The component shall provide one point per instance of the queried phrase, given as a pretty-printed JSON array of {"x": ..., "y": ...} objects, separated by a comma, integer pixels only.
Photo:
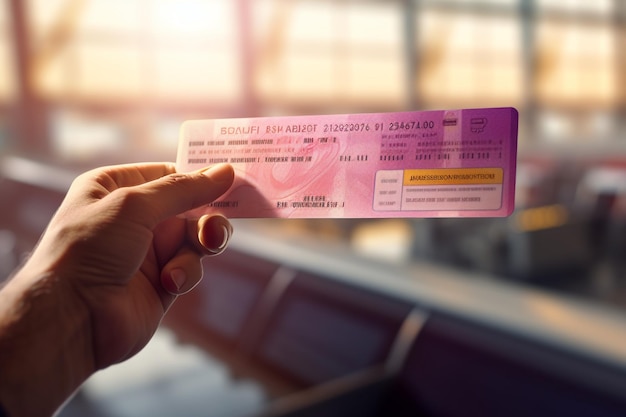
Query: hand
[{"x": 114, "y": 258}]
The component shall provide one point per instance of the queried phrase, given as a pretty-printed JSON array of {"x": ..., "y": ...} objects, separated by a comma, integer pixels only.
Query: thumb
[{"x": 176, "y": 193}]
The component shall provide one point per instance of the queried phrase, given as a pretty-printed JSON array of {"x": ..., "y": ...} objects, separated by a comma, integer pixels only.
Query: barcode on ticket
[{"x": 446, "y": 163}]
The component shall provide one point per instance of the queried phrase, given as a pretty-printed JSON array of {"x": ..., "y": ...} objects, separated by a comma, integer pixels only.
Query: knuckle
[
  {"x": 131, "y": 201},
  {"x": 176, "y": 178}
]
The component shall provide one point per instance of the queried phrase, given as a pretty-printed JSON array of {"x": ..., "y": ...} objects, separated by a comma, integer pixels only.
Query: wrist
[{"x": 45, "y": 344}]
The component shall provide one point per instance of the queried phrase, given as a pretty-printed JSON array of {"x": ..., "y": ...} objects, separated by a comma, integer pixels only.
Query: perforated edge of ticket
[{"x": 442, "y": 163}]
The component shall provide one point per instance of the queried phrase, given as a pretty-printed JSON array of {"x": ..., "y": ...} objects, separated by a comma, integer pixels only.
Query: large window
[
  {"x": 113, "y": 80},
  {"x": 147, "y": 65}
]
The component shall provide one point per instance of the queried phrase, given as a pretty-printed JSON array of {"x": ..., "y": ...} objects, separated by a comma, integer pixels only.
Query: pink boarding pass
[{"x": 452, "y": 163}]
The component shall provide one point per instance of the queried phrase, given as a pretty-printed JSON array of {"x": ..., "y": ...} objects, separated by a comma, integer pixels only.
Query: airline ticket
[{"x": 445, "y": 163}]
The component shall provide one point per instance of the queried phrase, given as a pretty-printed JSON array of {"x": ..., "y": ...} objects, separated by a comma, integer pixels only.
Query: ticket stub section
[
  {"x": 458, "y": 189},
  {"x": 453, "y": 163}
]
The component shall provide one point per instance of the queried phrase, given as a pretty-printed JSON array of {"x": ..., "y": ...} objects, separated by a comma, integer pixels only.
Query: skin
[{"x": 112, "y": 261}]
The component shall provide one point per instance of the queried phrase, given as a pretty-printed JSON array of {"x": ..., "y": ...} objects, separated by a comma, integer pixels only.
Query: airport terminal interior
[{"x": 517, "y": 316}]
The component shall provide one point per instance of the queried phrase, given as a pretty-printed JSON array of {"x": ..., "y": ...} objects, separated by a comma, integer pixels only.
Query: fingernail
[
  {"x": 225, "y": 238},
  {"x": 227, "y": 233},
  {"x": 220, "y": 173},
  {"x": 178, "y": 278}
]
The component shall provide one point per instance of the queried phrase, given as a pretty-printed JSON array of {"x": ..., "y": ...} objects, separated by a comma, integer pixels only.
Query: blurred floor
[{"x": 166, "y": 379}]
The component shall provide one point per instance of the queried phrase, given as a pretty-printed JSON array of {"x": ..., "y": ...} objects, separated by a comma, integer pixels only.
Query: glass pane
[
  {"x": 468, "y": 59},
  {"x": 348, "y": 53},
  {"x": 194, "y": 74},
  {"x": 111, "y": 18},
  {"x": 193, "y": 18},
  {"x": 150, "y": 50},
  {"x": 576, "y": 64},
  {"x": 109, "y": 70}
]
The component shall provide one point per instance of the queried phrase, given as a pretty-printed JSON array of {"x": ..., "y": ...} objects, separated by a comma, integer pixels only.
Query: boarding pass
[{"x": 445, "y": 163}]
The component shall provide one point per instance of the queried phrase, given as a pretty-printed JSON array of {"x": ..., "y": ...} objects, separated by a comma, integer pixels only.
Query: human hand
[{"x": 117, "y": 254}]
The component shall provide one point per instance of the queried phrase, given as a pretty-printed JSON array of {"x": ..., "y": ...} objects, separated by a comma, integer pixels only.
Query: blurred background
[{"x": 90, "y": 82}]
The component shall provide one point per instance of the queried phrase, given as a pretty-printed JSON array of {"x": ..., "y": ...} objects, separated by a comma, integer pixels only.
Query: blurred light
[
  {"x": 388, "y": 240},
  {"x": 36, "y": 174},
  {"x": 600, "y": 7},
  {"x": 539, "y": 218},
  {"x": 555, "y": 126},
  {"x": 193, "y": 17},
  {"x": 573, "y": 316},
  {"x": 110, "y": 17},
  {"x": 79, "y": 137},
  {"x": 606, "y": 180}
]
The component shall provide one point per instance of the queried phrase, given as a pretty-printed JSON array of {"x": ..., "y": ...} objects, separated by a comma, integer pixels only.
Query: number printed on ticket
[{"x": 451, "y": 163}]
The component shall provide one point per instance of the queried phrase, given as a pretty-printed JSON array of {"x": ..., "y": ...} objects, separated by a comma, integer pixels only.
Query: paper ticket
[{"x": 452, "y": 163}]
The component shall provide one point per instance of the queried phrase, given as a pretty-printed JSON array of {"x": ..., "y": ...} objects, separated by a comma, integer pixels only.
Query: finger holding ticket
[{"x": 454, "y": 163}]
